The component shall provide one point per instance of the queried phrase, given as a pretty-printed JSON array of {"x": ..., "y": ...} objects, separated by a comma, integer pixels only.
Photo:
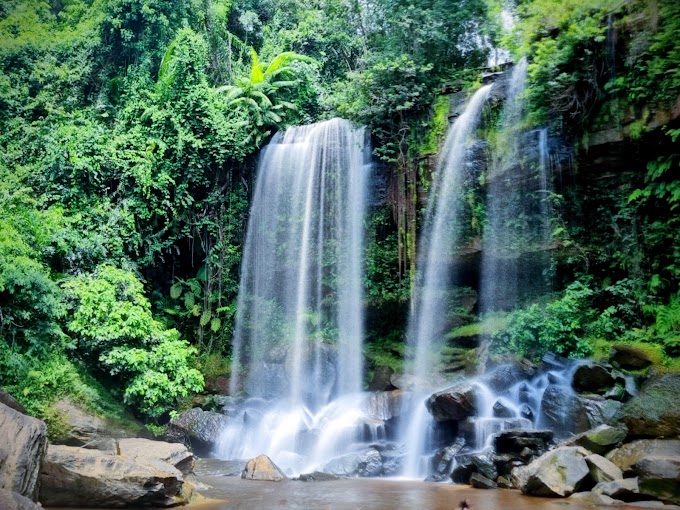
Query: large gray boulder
[
  {"x": 13, "y": 501},
  {"x": 262, "y": 468},
  {"x": 626, "y": 489},
  {"x": 602, "y": 470},
  {"x": 198, "y": 428},
  {"x": 78, "y": 477},
  {"x": 22, "y": 450},
  {"x": 366, "y": 463},
  {"x": 558, "y": 473},
  {"x": 146, "y": 451},
  {"x": 659, "y": 477},
  {"x": 599, "y": 440},
  {"x": 85, "y": 429},
  {"x": 631, "y": 453},
  {"x": 654, "y": 412},
  {"x": 453, "y": 404}
]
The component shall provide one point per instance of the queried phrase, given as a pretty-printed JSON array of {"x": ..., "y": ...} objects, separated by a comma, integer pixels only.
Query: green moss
[
  {"x": 436, "y": 129},
  {"x": 486, "y": 327}
]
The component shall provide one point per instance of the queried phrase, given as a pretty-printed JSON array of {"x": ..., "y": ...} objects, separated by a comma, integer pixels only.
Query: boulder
[
  {"x": 21, "y": 452},
  {"x": 462, "y": 473},
  {"x": 85, "y": 429},
  {"x": 602, "y": 470},
  {"x": 562, "y": 411},
  {"x": 146, "y": 451},
  {"x": 11, "y": 402},
  {"x": 592, "y": 378},
  {"x": 13, "y": 501},
  {"x": 381, "y": 379},
  {"x": 629, "y": 357},
  {"x": 659, "y": 477},
  {"x": 485, "y": 465},
  {"x": 442, "y": 459},
  {"x": 198, "y": 428},
  {"x": 366, "y": 463},
  {"x": 558, "y": 473},
  {"x": 385, "y": 404},
  {"x": 80, "y": 477},
  {"x": 262, "y": 468},
  {"x": 502, "y": 377},
  {"x": 599, "y": 440},
  {"x": 626, "y": 489},
  {"x": 597, "y": 411},
  {"x": 452, "y": 404},
  {"x": 479, "y": 481},
  {"x": 318, "y": 476},
  {"x": 515, "y": 441},
  {"x": 654, "y": 412},
  {"x": 592, "y": 499},
  {"x": 630, "y": 454},
  {"x": 501, "y": 410}
]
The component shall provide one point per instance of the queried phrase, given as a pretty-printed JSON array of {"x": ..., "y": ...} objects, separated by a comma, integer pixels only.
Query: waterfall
[
  {"x": 441, "y": 233},
  {"x": 518, "y": 210},
  {"x": 299, "y": 326}
]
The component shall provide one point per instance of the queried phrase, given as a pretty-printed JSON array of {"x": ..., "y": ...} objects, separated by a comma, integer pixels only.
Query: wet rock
[
  {"x": 631, "y": 453},
  {"x": 562, "y": 411},
  {"x": 659, "y": 477},
  {"x": 502, "y": 377},
  {"x": 381, "y": 379},
  {"x": 629, "y": 357},
  {"x": 442, "y": 459},
  {"x": 592, "y": 498},
  {"x": 558, "y": 473},
  {"x": 392, "y": 461},
  {"x": 198, "y": 428},
  {"x": 592, "y": 378},
  {"x": 654, "y": 412},
  {"x": 596, "y": 411},
  {"x": 485, "y": 465},
  {"x": 386, "y": 404},
  {"x": 602, "y": 470},
  {"x": 514, "y": 441},
  {"x": 11, "y": 402},
  {"x": 318, "y": 476},
  {"x": 626, "y": 489},
  {"x": 479, "y": 481},
  {"x": 262, "y": 468},
  {"x": 85, "y": 429},
  {"x": 13, "y": 501},
  {"x": 462, "y": 473},
  {"x": 79, "y": 477},
  {"x": 452, "y": 404},
  {"x": 365, "y": 464},
  {"x": 504, "y": 483},
  {"x": 526, "y": 412},
  {"x": 599, "y": 440},
  {"x": 501, "y": 410},
  {"x": 21, "y": 452},
  {"x": 145, "y": 451}
]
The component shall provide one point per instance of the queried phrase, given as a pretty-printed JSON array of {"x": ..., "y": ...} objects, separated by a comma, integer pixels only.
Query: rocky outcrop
[
  {"x": 654, "y": 412},
  {"x": 198, "y": 428},
  {"x": 11, "y": 402},
  {"x": 630, "y": 454},
  {"x": 629, "y": 357},
  {"x": 85, "y": 429},
  {"x": 558, "y": 473},
  {"x": 365, "y": 464},
  {"x": 262, "y": 468},
  {"x": 21, "y": 452},
  {"x": 452, "y": 404},
  {"x": 74, "y": 476},
  {"x": 599, "y": 440},
  {"x": 659, "y": 477},
  {"x": 13, "y": 501},
  {"x": 146, "y": 451}
]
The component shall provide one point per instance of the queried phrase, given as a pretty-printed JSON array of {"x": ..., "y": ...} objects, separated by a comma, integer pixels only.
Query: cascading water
[
  {"x": 438, "y": 242},
  {"x": 299, "y": 328}
]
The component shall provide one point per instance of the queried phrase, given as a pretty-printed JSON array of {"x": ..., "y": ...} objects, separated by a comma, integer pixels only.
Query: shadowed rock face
[
  {"x": 21, "y": 452},
  {"x": 557, "y": 473}
]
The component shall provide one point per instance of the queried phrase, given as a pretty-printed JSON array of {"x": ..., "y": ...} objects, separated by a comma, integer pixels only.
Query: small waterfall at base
[
  {"x": 441, "y": 233},
  {"x": 299, "y": 327}
]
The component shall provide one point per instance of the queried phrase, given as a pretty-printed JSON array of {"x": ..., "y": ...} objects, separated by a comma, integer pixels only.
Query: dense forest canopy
[{"x": 129, "y": 131}]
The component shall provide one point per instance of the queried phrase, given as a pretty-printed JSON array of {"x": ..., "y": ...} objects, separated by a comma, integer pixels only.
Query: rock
[
  {"x": 80, "y": 477},
  {"x": 318, "y": 476},
  {"x": 599, "y": 440},
  {"x": 485, "y": 465},
  {"x": 146, "y": 451},
  {"x": 558, "y": 473},
  {"x": 262, "y": 468},
  {"x": 11, "y": 402},
  {"x": 659, "y": 477},
  {"x": 442, "y": 459},
  {"x": 462, "y": 473},
  {"x": 597, "y": 411},
  {"x": 84, "y": 428},
  {"x": 479, "y": 481},
  {"x": 13, "y": 501},
  {"x": 392, "y": 461},
  {"x": 592, "y": 378},
  {"x": 21, "y": 452},
  {"x": 385, "y": 404},
  {"x": 504, "y": 483},
  {"x": 381, "y": 379},
  {"x": 629, "y": 357},
  {"x": 602, "y": 470},
  {"x": 631, "y": 453},
  {"x": 502, "y": 377},
  {"x": 200, "y": 429},
  {"x": 592, "y": 498},
  {"x": 452, "y": 404},
  {"x": 654, "y": 412},
  {"x": 562, "y": 411},
  {"x": 526, "y": 412},
  {"x": 367, "y": 463},
  {"x": 501, "y": 410},
  {"x": 514, "y": 441},
  {"x": 626, "y": 489},
  {"x": 217, "y": 385}
]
